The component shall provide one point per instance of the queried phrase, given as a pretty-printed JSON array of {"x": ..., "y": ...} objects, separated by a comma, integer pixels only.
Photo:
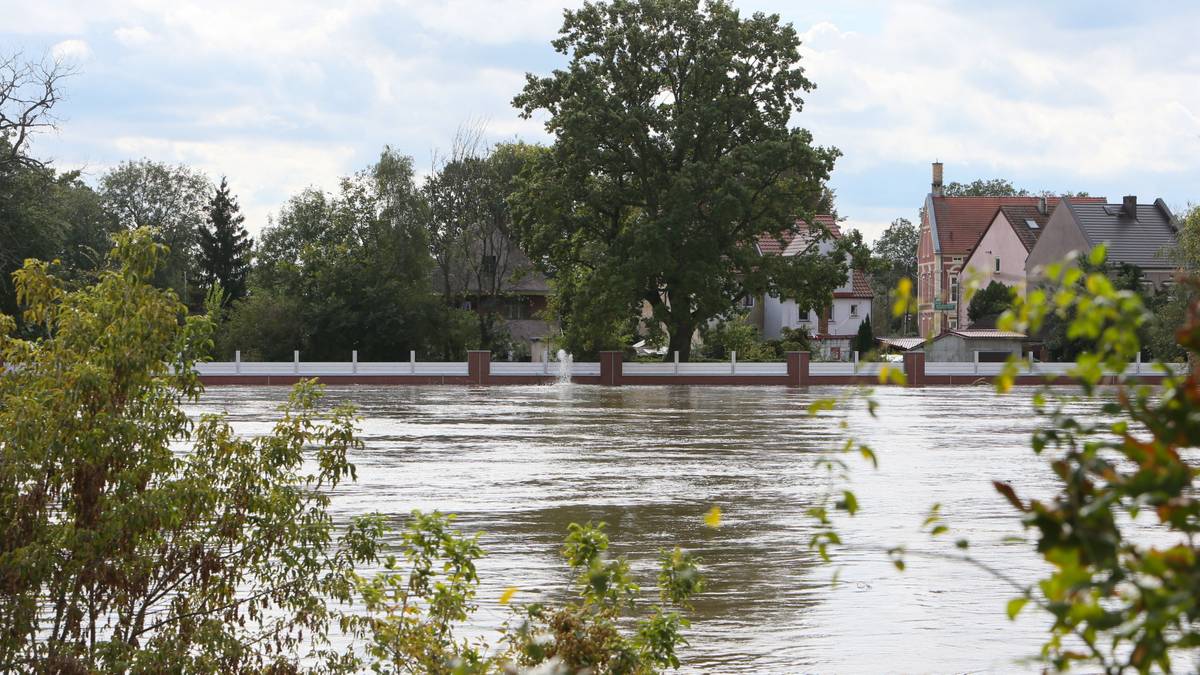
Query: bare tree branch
[{"x": 29, "y": 90}]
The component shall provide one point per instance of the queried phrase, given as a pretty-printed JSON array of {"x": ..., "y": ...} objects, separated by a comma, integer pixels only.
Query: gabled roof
[
  {"x": 1136, "y": 242},
  {"x": 800, "y": 234},
  {"x": 859, "y": 287},
  {"x": 959, "y": 222},
  {"x": 1020, "y": 217}
]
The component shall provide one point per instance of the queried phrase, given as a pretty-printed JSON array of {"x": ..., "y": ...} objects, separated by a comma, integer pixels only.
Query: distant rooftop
[{"x": 1136, "y": 240}]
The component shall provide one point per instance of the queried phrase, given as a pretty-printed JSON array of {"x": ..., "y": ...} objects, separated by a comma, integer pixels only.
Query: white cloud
[
  {"x": 71, "y": 50},
  {"x": 294, "y": 92},
  {"x": 262, "y": 172},
  {"x": 494, "y": 22},
  {"x": 133, "y": 36},
  {"x": 990, "y": 90}
]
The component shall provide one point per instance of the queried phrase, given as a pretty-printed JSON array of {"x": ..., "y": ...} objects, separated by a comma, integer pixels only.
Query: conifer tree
[
  {"x": 865, "y": 340},
  {"x": 225, "y": 246}
]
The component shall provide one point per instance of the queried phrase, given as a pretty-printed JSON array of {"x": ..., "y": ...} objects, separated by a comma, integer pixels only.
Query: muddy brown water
[{"x": 521, "y": 463}]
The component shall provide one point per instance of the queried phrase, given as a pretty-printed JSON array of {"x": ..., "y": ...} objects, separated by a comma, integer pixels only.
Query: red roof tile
[
  {"x": 860, "y": 288},
  {"x": 1018, "y": 217},
  {"x": 961, "y": 221},
  {"x": 771, "y": 245}
]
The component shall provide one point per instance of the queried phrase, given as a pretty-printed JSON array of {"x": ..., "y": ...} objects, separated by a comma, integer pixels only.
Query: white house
[{"x": 850, "y": 305}]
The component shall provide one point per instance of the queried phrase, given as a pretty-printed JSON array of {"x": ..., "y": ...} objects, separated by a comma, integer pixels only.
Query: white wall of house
[
  {"x": 779, "y": 314},
  {"x": 847, "y": 315},
  {"x": 999, "y": 256}
]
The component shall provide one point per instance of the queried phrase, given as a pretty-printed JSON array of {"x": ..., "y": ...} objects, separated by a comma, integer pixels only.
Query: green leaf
[{"x": 1015, "y": 606}]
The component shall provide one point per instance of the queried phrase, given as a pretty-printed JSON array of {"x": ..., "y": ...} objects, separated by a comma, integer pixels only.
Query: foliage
[
  {"x": 997, "y": 187},
  {"x": 793, "y": 340},
  {"x": 672, "y": 153},
  {"x": 120, "y": 554},
  {"x": 49, "y": 216},
  {"x": 734, "y": 335},
  {"x": 1156, "y": 333},
  {"x": 137, "y": 540},
  {"x": 1118, "y": 530},
  {"x": 1122, "y": 587},
  {"x": 172, "y": 199},
  {"x": 586, "y": 635},
  {"x": 992, "y": 187},
  {"x": 864, "y": 340},
  {"x": 268, "y": 325},
  {"x": 355, "y": 265},
  {"x": 988, "y": 304},
  {"x": 893, "y": 257},
  {"x": 224, "y": 254},
  {"x": 1187, "y": 252}
]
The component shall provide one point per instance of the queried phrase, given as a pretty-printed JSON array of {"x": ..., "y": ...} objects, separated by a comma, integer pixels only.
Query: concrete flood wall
[{"x": 796, "y": 370}]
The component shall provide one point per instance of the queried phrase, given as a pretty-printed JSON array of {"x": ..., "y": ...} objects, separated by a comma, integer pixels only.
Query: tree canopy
[
  {"x": 171, "y": 199},
  {"x": 672, "y": 153},
  {"x": 989, "y": 303},
  {"x": 893, "y": 257},
  {"x": 349, "y": 271},
  {"x": 997, "y": 187}
]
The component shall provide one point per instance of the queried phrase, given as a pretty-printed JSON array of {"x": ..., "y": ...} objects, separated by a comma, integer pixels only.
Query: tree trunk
[{"x": 680, "y": 341}]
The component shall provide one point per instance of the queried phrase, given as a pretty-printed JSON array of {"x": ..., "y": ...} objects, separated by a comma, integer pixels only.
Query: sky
[{"x": 280, "y": 95}]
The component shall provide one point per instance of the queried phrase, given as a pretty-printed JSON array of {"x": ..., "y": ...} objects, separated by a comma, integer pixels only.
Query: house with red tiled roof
[
  {"x": 834, "y": 329},
  {"x": 951, "y": 229},
  {"x": 1000, "y": 253}
]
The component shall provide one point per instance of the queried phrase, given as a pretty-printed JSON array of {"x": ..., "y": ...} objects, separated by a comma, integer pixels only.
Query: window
[
  {"x": 953, "y": 323},
  {"x": 748, "y": 302},
  {"x": 516, "y": 309},
  {"x": 997, "y": 263},
  {"x": 853, "y": 310},
  {"x": 953, "y": 288},
  {"x": 1031, "y": 223},
  {"x": 489, "y": 264}
]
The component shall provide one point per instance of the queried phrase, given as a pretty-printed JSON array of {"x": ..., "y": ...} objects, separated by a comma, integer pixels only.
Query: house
[
  {"x": 950, "y": 229},
  {"x": 963, "y": 346},
  {"x": 493, "y": 276},
  {"x": 832, "y": 330},
  {"x": 1134, "y": 234},
  {"x": 1000, "y": 253}
]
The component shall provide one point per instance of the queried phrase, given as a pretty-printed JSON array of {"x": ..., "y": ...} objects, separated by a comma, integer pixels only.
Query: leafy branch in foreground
[{"x": 1120, "y": 530}]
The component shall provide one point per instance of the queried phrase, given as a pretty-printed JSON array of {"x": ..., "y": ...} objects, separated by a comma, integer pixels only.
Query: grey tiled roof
[{"x": 1138, "y": 242}]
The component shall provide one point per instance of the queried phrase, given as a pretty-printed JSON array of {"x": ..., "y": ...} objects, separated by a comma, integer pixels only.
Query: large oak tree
[{"x": 673, "y": 150}]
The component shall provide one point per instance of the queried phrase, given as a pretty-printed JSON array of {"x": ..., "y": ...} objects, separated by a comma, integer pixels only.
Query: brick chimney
[
  {"x": 1041, "y": 205},
  {"x": 937, "y": 180},
  {"x": 1129, "y": 206}
]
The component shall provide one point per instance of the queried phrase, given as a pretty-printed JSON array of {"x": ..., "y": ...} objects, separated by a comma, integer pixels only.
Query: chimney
[
  {"x": 937, "y": 180},
  {"x": 1129, "y": 206},
  {"x": 1041, "y": 205}
]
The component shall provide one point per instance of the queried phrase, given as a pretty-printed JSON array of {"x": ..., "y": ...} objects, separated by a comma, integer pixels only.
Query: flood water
[{"x": 521, "y": 463}]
